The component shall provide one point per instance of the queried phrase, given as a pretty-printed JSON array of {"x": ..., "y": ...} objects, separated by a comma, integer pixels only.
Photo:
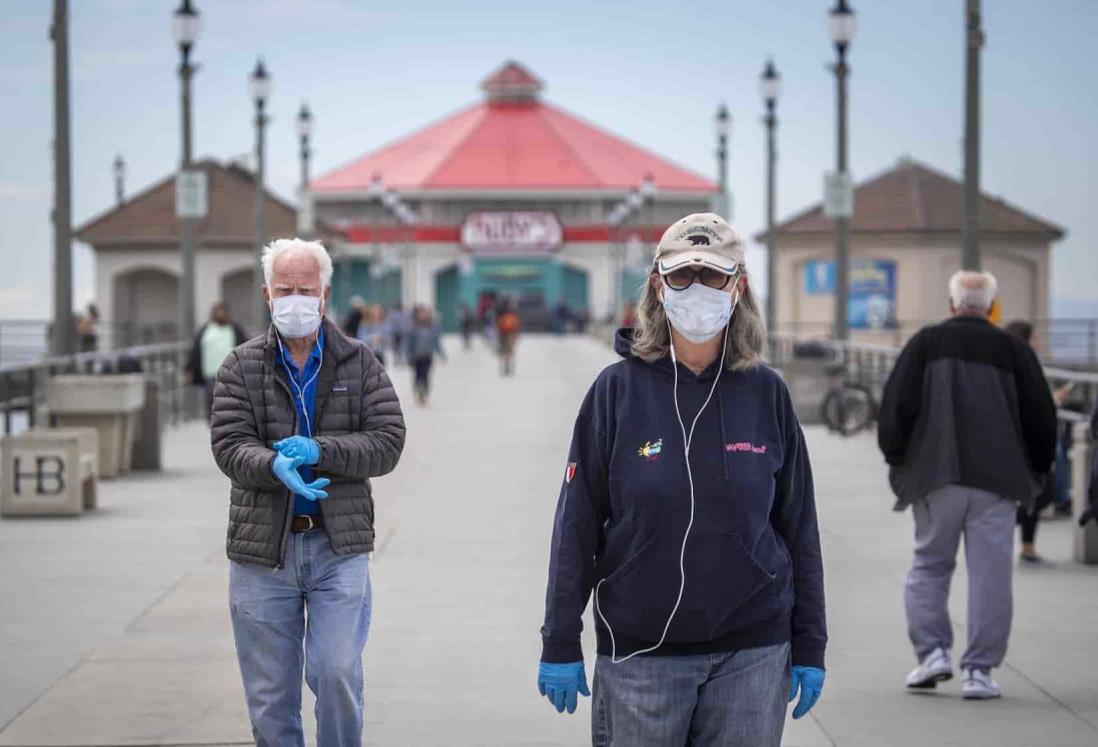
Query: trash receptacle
[
  {"x": 146, "y": 446},
  {"x": 107, "y": 403}
]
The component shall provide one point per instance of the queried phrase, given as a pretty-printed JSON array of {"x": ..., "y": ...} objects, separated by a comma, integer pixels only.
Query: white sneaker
[
  {"x": 934, "y": 668},
  {"x": 979, "y": 686}
]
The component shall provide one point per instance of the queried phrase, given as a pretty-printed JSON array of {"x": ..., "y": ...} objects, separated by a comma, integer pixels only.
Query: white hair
[
  {"x": 314, "y": 248},
  {"x": 973, "y": 291}
]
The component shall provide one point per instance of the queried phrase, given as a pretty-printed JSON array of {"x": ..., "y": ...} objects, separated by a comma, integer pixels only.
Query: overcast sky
[{"x": 652, "y": 72}]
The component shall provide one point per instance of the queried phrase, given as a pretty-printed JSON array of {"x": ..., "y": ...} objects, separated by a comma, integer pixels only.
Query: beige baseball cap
[{"x": 700, "y": 239}]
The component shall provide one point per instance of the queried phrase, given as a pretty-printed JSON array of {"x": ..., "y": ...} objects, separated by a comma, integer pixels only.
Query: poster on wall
[{"x": 872, "y": 303}]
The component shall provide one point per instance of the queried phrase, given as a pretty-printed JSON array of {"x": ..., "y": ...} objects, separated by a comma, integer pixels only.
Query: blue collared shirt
[{"x": 303, "y": 383}]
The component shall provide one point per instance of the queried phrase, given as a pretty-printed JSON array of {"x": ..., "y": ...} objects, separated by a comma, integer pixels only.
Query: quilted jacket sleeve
[
  {"x": 374, "y": 450},
  {"x": 233, "y": 432}
]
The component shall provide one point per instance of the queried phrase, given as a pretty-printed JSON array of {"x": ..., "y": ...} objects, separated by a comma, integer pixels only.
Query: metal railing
[
  {"x": 28, "y": 340},
  {"x": 23, "y": 385}
]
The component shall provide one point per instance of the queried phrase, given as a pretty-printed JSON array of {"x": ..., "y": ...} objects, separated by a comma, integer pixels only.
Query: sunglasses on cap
[{"x": 684, "y": 277}]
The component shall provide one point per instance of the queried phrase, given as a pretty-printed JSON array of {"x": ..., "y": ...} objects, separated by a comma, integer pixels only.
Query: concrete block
[
  {"x": 107, "y": 403},
  {"x": 48, "y": 472}
]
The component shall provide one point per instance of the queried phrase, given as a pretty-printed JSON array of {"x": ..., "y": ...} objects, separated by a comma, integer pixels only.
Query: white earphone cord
[
  {"x": 301, "y": 390},
  {"x": 687, "y": 440}
]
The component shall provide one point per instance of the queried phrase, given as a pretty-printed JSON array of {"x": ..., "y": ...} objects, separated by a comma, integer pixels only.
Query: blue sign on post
[{"x": 872, "y": 303}]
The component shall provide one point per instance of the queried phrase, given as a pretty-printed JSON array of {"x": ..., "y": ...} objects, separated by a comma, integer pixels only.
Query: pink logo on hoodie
[{"x": 746, "y": 447}]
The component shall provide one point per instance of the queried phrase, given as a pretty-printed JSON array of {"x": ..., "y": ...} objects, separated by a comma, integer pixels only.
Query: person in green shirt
[{"x": 212, "y": 344}]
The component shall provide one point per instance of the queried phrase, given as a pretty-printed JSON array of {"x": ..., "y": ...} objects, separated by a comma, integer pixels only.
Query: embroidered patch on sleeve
[{"x": 570, "y": 472}]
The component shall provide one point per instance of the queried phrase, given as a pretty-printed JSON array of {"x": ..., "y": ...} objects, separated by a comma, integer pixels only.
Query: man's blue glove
[
  {"x": 560, "y": 683},
  {"x": 285, "y": 469},
  {"x": 810, "y": 680},
  {"x": 305, "y": 449}
]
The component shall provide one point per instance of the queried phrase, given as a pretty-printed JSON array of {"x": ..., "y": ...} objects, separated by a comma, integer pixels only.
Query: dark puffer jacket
[{"x": 359, "y": 426}]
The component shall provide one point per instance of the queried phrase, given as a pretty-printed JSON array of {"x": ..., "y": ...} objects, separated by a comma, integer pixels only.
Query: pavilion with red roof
[{"x": 511, "y": 196}]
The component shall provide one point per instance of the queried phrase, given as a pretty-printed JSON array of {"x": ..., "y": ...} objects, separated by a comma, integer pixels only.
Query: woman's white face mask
[
  {"x": 296, "y": 316},
  {"x": 699, "y": 312}
]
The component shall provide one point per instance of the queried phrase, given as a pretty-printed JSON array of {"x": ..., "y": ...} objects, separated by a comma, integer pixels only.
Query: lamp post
[
  {"x": 186, "y": 26},
  {"x": 842, "y": 26},
  {"x": 119, "y": 179},
  {"x": 770, "y": 87},
  {"x": 63, "y": 329},
  {"x": 970, "y": 252},
  {"x": 724, "y": 127},
  {"x": 259, "y": 85},
  {"x": 304, "y": 131}
]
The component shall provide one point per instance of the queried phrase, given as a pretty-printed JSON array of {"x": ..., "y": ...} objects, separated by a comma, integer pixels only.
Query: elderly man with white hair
[
  {"x": 303, "y": 417},
  {"x": 968, "y": 427}
]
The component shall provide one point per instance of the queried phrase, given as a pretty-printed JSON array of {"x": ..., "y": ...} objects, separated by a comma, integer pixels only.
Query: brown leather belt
[{"x": 305, "y": 523}]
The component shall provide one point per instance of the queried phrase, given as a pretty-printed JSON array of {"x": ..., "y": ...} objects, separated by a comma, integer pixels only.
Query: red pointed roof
[{"x": 512, "y": 141}]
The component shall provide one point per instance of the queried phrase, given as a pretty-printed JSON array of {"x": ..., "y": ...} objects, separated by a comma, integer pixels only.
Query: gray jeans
[
  {"x": 987, "y": 522},
  {"x": 733, "y": 699}
]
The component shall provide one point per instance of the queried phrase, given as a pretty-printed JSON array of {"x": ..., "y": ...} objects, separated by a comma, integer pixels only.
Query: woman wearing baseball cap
[{"x": 687, "y": 512}]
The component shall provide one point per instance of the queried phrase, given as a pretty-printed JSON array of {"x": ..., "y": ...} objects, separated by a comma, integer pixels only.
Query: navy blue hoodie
[{"x": 754, "y": 574}]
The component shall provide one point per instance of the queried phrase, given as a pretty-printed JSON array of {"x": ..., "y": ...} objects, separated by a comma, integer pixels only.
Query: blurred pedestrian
[
  {"x": 375, "y": 330},
  {"x": 561, "y": 317},
  {"x": 1028, "y": 517},
  {"x": 400, "y": 322},
  {"x": 687, "y": 510},
  {"x": 968, "y": 427},
  {"x": 468, "y": 324},
  {"x": 303, "y": 417},
  {"x": 508, "y": 325},
  {"x": 212, "y": 344},
  {"x": 87, "y": 329},
  {"x": 424, "y": 342},
  {"x": 353, "y": 318}
]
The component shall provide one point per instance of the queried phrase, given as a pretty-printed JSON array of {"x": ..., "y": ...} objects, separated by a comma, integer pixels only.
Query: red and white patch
[{"x": 570, "y": 472}]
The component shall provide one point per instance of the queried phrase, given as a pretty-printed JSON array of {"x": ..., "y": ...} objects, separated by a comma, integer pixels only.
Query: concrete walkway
[{"x": 114, "y": 627}]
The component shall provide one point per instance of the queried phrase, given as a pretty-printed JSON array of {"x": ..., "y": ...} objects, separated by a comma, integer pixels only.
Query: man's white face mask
[
  {"x": 296, "y": 316},
  {"x": 699, "y": 312}
]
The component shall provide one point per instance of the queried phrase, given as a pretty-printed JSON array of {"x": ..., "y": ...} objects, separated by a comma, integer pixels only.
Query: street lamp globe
[
  {"x": 723, "y": 121},
  {"x": 842, "y": 24},
  {"x": 304, "y": 121},
  {"x": 259, "y": 83},
  {"x": 770, "y": 83},
  {"x": 119, "y": 167},
  {"x": 635, "y": 199},
  {"x": 377, "y": 185},
  {"x": 186, "y": 24},
  {"x": 648, "y": 186}
]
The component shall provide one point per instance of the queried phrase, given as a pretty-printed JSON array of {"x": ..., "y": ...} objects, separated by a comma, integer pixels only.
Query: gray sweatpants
[{"x": 987, "y": 522}]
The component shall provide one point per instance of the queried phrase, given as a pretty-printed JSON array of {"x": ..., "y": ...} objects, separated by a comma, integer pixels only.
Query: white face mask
[
  {"x": 296, "y": 316},
  {"x": 698, "y": 313}
]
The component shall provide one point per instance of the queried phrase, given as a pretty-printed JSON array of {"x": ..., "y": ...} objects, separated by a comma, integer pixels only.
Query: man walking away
[
  {"x": 424, "y": 343},
  {"x": 508, "y": 325},
  {"x": 212, "y": 345},
  {"x": 968, "y": 427}
]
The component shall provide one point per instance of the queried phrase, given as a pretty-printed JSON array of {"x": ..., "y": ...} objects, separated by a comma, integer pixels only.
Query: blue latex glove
[
  {"x": 810, "y": 681},
  {"x": 305, "y": 449},
  {"x": 561, "y": 682},
  {"x": 285, "y": 469}
]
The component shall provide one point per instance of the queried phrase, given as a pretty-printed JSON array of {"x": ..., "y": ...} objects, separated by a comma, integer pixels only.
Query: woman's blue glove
[
  {"x": 810, "y": 680},
  {"x": 285, "y": 469},
  {"x": 305, "y": 449},
  {"x": 560, "y": 683}
]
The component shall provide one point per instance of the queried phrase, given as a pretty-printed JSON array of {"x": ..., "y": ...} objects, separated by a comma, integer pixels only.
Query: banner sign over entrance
[{"x": 511, "y": 232}]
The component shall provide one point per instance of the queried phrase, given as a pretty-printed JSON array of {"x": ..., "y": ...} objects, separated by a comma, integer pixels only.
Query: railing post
[{"x": 1086, "y": 538}]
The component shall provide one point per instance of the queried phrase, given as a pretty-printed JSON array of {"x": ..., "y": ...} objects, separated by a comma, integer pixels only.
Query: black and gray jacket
[
  {"x": 967, "y": 404},
  {"x": 359, "y": 426}
]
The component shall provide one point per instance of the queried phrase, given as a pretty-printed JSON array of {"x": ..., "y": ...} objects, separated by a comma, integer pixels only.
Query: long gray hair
[{"x": 746, "y": 339}]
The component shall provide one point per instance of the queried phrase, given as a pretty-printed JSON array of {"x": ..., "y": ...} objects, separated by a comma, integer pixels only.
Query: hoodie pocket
[{"x": 724, "y": 585}]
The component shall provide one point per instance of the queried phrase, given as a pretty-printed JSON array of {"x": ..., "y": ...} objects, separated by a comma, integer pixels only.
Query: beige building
[{"x": 905, "y": 242}]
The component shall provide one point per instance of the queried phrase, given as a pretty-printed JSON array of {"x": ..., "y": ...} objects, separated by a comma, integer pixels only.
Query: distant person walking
[
  {"x": 303, "y": 417},
  {"x": 375, "y": 330},
  {"x": 508, "y": 326},
  {"x": 424, "y": 342},
  {"x": 354, "y": 316},
  {"x": 687, "y": 511},
  {"x": 968, "y": 428},
  {"x": 1028, "y": 517},
  {"x": 468, "y": 324},
  {"x": 87, "y": 329},
  {"x": 400, "y": 324},
  {"x": 212, "y": 345}
]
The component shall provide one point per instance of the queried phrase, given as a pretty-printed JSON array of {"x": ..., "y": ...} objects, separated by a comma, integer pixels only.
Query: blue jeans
[
  {"x": 731, "y": 699},
  {"x": 268, "y": 609}
]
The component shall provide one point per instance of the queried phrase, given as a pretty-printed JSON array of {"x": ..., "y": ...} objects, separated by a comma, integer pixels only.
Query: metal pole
[
  {"x": 970, "y": 242},
  {"x": 305, "y": 153},
  {"x": 771, "y": 239},
  {"x": 186, "y": 225},
  {"x": 260, "y": 214},
  {"x": 63, "y": 331},
  {"x": 842, "y": 258}
]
